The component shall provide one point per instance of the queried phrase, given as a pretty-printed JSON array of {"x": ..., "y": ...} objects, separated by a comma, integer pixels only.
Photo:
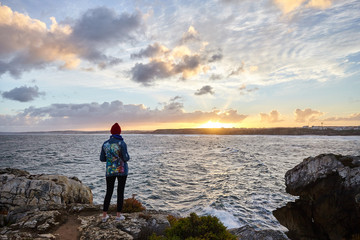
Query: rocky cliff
[{"x": 328, "y": 207}]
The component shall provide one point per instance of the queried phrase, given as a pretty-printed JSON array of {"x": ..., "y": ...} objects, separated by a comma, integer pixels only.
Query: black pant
[{"x": 110, "y": 182}]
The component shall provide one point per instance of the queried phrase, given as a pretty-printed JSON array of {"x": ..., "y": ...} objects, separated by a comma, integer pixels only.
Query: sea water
[{"x": 239, "y": 179}]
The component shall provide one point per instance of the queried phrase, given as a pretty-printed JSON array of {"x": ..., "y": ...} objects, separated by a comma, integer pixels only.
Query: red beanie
[{"x": 115, "y": 129}]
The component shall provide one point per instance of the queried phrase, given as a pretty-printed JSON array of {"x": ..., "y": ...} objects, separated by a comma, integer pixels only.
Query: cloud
[
  {"x": 27, "y": 43},
  {"x": 237, "y": 71},
  {"x": 232, "y": 1},
  {"x": 93, "y": 115},
  {"x": 215, "y": 77},
  {"x": 175, "y": 98},
  {"x": 189, "y": 66},
  {"x": 352, "y": 117},
  {"x": 272, "y": 117},
  {"x": 205, "y": 90},
  {"x": 146, "y": 74},
  {"x": 102, "y": 26},
  {"x": 180, "y": 60},
  {"x": 186, "y": 63},
  {"x": 23, "y": 94},
  {"x": 321, "y": 4},
  {"x": 290, "y": 5},
  {"x": 151, "y": 51},
  {"x": 215, "y": 57},
  {"x": 307, "y": 115},
  {"x": 244, "y": 90},
  {"x": 278, "y": 49},
  {"x": 190, "y": 35},
  {"x": 184, "y": 60}
]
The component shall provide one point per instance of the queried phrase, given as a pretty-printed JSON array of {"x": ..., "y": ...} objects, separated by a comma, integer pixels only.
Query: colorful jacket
[{"x": 114, "y": 153}]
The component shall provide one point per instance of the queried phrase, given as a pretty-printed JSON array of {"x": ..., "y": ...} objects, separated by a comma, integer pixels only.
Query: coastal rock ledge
[
  {"x": 58, "y": 207},
  {"x": 328, "y": 207},
  {"x": 19, "y": 188}
]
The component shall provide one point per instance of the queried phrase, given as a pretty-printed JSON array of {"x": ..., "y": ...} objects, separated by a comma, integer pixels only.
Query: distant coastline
[
  {"x": 261, "y": 131},
  {"x": 325, "y": 131}
]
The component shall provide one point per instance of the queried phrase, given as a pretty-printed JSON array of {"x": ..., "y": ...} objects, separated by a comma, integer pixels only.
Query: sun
[{"x": 211, "y": 124}]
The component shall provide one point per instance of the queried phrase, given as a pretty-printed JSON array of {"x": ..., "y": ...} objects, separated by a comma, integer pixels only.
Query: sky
[{"x": 83, "y": 65}]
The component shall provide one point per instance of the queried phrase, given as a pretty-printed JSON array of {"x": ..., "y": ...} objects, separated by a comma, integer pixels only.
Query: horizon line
[{"x": 178, "y": 129}]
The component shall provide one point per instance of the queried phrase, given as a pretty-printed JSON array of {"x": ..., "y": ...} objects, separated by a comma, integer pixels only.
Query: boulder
[
  {"x": 19, "y": 188},
  {"x": 328, "y": 207}
]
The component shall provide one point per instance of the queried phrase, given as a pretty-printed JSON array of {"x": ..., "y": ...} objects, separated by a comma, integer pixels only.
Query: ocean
[{"x": 239, "y": 179}]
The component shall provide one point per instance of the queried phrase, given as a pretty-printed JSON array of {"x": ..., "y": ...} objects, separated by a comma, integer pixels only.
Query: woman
[{"x": 114, "y": 153}]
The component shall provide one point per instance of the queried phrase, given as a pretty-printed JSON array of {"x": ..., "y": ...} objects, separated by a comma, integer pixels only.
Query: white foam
[{"x": 229, "y": 220}]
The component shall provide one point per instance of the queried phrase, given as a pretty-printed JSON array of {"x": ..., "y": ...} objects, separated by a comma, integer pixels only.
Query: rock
[
  {"x": 33, "y": 220},
  {"x": 328, "y": 207},
  {"x": 19, "y": 188},
  {"x": 37, "y": 222},
  {"x": 47, "y": 236},
  {"x": 36, "y": 206},
  {"x": 41, "y": 220},
  {"x": 56, "y": 207},
  {"x": 135, "y": 226},
  {"x": 248, "y": 233},
  {"x": 323, "y": 166},
  {"x": 93, "y": 228},
  {"x": 32, "y": 205}
]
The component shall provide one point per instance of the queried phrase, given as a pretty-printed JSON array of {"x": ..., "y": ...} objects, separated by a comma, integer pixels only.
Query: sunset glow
[
  {"x": 211, "y": 124},
  {"x": 208, "y": 64}
]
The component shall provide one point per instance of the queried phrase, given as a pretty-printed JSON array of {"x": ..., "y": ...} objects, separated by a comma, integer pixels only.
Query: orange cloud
[
  {"x": 190, "y": 35},
  {"x": 91, "y": 115},
  {"x": 288, "y": 6},
  {"x": 32, "y": 40},
  {"x": 322, "y": 4},
  {"x": 272, "y": 117},
  {"x": 27, "y": 43},
  {"x": 307, "y": 115},
  {"x": 352, "y": 117},
  {"x": 18, "y": 20},
  {"x": 164, "y": 62}
]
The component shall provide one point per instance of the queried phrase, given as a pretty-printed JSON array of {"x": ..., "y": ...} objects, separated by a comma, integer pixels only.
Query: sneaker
[
  {"x": 104, "y": 219},
  {"x": 120, "y": 218}
]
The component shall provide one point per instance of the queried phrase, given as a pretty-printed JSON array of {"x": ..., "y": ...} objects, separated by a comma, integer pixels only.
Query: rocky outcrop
[
  {"x": 32, "y": 205},
  {"x": 135, "y": 226},
  {"x": 56, "y": 207},
  {"x": 249, "y": 233},
  {"x": 83, "y": 221},
  {"x": 19, "y": 188},
  {"x": 328, "y": 207}
]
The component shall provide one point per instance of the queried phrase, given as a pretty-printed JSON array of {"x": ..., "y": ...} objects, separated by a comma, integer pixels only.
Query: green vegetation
[{"x": 196, "y": 228}]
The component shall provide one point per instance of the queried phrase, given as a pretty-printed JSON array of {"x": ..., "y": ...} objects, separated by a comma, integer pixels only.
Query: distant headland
[
  {"x": 264, "y": 131},
  {"x": 315, "y": 130}
]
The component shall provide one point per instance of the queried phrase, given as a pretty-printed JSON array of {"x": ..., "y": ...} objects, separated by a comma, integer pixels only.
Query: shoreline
[{"x": 54, "y": 207}]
